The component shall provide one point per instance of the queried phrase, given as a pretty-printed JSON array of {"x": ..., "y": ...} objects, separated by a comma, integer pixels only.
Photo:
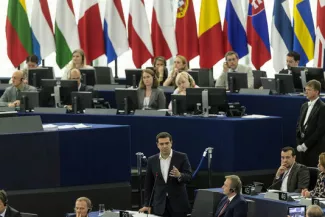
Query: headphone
[
  {"x": 3, "y": 197},
  {"x": 89, "y": 204},
  {"x": 232, "y": 190}
]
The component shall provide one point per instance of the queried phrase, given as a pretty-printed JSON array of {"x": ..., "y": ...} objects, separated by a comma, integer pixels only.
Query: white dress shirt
[
  {"x": 284, "y": 186},
  {"x": 230, "y": 198},
  {"x": 4, "y": 213},
  {"x": 164, "y": 165},
  {"x": 310, "y": 108}
]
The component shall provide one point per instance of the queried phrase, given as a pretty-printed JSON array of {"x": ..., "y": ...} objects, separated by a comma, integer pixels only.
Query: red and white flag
[
  {"x": 320, "y": 35},
  {"x": 90, "y": 30},
  {"x": 139, "y": 33},
  {"x": 162, "y": 29}
]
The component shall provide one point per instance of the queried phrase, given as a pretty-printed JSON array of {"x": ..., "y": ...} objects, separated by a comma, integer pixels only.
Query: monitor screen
[
  {"x": 297, "y": 211},
  {"x": 36, "y": 75},
  {"x": 104, "y": 75},
  {"x": 237, "y": 80},
  {"x": 88, "y": 76},
  {"x": 296, "y": 77},
  {"x": 29, "y": 100},
  {"x": 257, "y": 74},
  {"x": 178, "y": 103},
  {"x": 284, "y": 84},
  {"x": 67, "y": 87},
  {"x": 81, "y": 101},
  {"x": 217, "y": 100},
  {"x": 126, "y": 100},
  {"x": 203, "y": 77},
  {"x": 133, "y": 77},
  {"x": 316, "y": 74}
]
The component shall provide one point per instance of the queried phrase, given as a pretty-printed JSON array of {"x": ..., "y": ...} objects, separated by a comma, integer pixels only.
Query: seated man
[
  {"x": 291, "y": 176},
  {"x": 5, "y": 209},
  {"x": 83, "y": 207},
  {"x": 293, "y": 59},
  {"x": 234, "y": 204},
  {"x": 76, "y": 75},
  {"x": 11, "y": 96},
  {"x": 231, "y": 65}
]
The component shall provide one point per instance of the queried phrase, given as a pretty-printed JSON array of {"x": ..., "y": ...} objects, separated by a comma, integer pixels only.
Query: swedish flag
[{"x": 304, "y": 31}]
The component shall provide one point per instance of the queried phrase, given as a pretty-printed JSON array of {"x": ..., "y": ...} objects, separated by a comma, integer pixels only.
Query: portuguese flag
[{"x": 18, "y": 32}]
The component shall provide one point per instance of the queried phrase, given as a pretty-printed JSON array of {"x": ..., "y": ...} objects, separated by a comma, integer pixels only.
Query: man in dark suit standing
[
  {"x": 165, "y": 185},
  {"x": 291, "y": 176},
  {"x": 310, "y": 129},
  {"x": 233, "y": 204},
  {"x": 5, "y": 209}
]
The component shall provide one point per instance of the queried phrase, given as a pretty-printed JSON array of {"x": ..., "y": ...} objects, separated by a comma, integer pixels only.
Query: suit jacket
[
  {"x": 11, "y": 212},
  {"x": 298, "y": 179},
  {"x": 10, "y": 94},
  {"x": 84, "y": 87},
  {"x": 222, "y": 81},
  {"x": 236, "y": 208},
  {"x": 175, "y": 188},
  {"x": 284, "y": 71},
  {"x": 312, "y": 134},
  {"x": 157, "y": 98}
]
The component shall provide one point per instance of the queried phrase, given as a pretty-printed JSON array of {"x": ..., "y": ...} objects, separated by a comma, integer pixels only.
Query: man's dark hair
[
  {"x": 163, "y": 135},
  {"x": 32, "y": 58},
  {"x": 294, "y": 54},
  {"x": 288, "y": 148}
]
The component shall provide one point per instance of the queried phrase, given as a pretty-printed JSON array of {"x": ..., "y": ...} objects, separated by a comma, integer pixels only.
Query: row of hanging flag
[{"x": 211, "y": 41}]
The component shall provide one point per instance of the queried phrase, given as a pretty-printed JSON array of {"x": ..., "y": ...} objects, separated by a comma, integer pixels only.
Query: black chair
[
  {"x": 25, "y": 214},
  {"x": 251, "y": 208},
  {"x": 313, "y": 174}
]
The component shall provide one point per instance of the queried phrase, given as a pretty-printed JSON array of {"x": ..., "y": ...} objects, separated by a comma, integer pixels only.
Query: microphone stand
[
  {"x": 209, "y": 149},
  {"x": 139, "y": 173}
]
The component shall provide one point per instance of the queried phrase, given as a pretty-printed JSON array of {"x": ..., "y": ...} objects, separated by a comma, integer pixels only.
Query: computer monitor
[
  {"x": 36, "y": 75},
  {"x": 133, "y": 77},
  {"x": 104, "y": 75},
  {"x": 203, "y": 77},
  {"x": 217, "y": 100},
  {"x": 29, "y": 100},
  {"x": 237, "y": 80},
  {"x": 315, "y": 73},
  {"x": 81, "y": 101},
  {"x": 88, "y": 76},
  {"x": 296, "y": 78},
  {"x": 178, "y": 104},
  {"x": 257, "y": 74},
  {"x": 126, "y": 100},
  {"x": 67, "y": 87},
  {"x": 284, "y": 84},
  {"x": 269, "y": 83}
]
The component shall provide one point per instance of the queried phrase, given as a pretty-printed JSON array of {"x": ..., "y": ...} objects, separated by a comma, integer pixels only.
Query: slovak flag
[
  {"x": 234, "y": 28},
  {"x": 257, "y": 33}
]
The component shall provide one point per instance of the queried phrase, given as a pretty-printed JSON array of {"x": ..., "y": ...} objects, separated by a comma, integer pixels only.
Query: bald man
[
  {"x": 11, "y": 96},
  {"x": 76, "y": 75}
]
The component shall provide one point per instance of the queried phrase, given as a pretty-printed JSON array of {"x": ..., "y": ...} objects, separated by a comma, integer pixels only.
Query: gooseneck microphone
[
  {"x": 280, "y": 179},
  {"x": 153, "y": 189}
]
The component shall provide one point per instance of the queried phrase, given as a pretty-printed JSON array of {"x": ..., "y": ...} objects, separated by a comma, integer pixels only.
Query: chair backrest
[
  {"x": 313, "y": 174},
  {"x": 25, "y": 214},
  {"x": 251, "y": 208}
]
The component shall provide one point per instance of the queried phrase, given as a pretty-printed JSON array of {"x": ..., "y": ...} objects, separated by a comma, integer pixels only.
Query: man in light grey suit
[
  {"x": 231, "y": 65},
  {"x": 11, "y": 96}
]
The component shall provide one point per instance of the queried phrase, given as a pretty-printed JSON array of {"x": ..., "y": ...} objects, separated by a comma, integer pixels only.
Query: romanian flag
[
  {"x": 18, "y": 32},
  {"x": 210, "y": 34},
  {"x": 186, "y": 31}
]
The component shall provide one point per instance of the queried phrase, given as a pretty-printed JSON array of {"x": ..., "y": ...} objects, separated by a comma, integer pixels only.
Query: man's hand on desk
[
  {"x": 14, "y": 104},
  {"x": 145, "y": 209},
  {"x": 305, "y": 193}
]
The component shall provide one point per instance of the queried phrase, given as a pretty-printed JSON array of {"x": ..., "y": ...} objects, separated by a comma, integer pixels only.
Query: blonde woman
[
  {"x": 78, "y": 61},
  {"x": 150, "y": 96},
  {"x": 180, "y": 64}
]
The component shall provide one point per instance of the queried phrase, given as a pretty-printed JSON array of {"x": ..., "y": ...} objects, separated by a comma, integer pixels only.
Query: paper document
[
  {"x": 66, "y": 127},
  {"x": 255, "y": 116},
  {"x": 46, "y": 126},
  {"x": 80, "y": 126}
]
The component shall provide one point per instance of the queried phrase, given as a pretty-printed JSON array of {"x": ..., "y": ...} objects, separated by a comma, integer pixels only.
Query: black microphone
[
  {"x": 153, "y": 189},
  {"x": 280, "y": 179}
]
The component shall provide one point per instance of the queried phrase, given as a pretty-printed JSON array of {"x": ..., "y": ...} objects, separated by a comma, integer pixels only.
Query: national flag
[
  {"x": 320, "y": 35},
  {"x": 66, "y": 32},
  {"x": 162, "y": 30},
  {"x": 234, "y": 28},
  {"x": 186, "y": 31},
  {"x": 281, "y": 33},
  {"x": 257, "y": 33},
  {"x": 139, "y": 33},
  {"x": 90, "y": 30},
  {"x": 211, "y": 43},
  {"x": 42, "y": 30},
  {"x": 115, "y": 35},
  {"x": 18, "y": 32},
  {"x": 304, "y": 32}
]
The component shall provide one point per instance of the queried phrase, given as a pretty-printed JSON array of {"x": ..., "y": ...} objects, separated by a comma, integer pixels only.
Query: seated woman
[
  {"x": 32, "y": 63},
  {"x": 78, "y": 62},
  {"x": 183, "y": 81},
  {"x": 180, "y": 64},
  {"x": 149, "y": 95},
  {"x": 159, "y": 66},
  {"x": 319, "y": 190}
]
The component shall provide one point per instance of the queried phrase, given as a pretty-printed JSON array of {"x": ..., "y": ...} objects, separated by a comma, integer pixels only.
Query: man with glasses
[
  {"x": 310, "y": 129},
  {"x": 231, "y": 65}
]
